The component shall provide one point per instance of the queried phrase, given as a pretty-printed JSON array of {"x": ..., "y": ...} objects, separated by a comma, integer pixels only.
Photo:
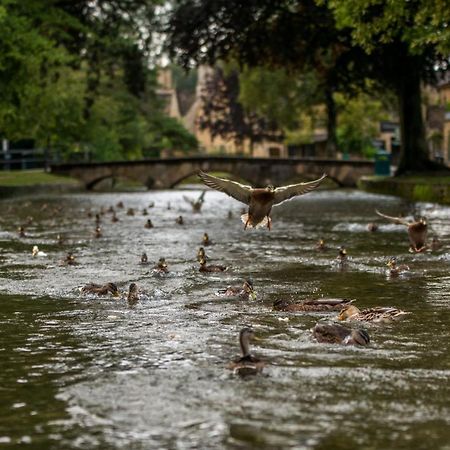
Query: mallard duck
[
  {"x": 144, "y": 212},
  {"x": 196, "y": 204},
  {"x": 244, "y": 292},
  {"x": 259, "y": 200},
  {"x": 372, "y": 227},
  {"x": 133, "y": 294},
  {"x": 69, "y": 260},
  {"x": 98, "y": 232},
  {"x": 110, "y": 210},
  {"x": 21, "y": 231},
  {"x": 36, "y": 252},
  {"x": 436, "y": 244},
  {"x": 342, "y": 258},
  {"x": 144, "y": 258},
  {"x": 98, "y": 220},
  {"x": 179, "y": 220},
  {"x": 417, "y": 231},
  {"x": 320, "y": 245},
  {"x": 394, "y": 270},
  {"x": 120, "y": 204},
  {"x": 108, "y": 288},
  {"x": 114, "y": 218},
  {"x": 201, "y": 254},
  {"x": 205, "y": 240},
  {"x": 230, "y": 215},
  {"x": 60, "y": 239},
  {"x": 379, "y": 314},
  {"x": 161, "y": 267},
  {"x": 148, "y": 224},
  {"x": 247, "y": 364},
  {"x": 211, "y": 267},
  {"x": 151, "y": 205},
  {"x": 130, "y": 212},
  {"x": 322, "y": 304},
  {"x": 337, "y": 334}
]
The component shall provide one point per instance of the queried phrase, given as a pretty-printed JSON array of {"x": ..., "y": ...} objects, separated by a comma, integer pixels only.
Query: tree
[
  {"x": 405, "y": 41},
  {"x": 223, "y": 115}
]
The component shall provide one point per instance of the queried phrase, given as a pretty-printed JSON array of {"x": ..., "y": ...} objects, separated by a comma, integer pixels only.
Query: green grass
[
  {"x": 33, "y": 177},
  {"x": 417, "y": 179}
]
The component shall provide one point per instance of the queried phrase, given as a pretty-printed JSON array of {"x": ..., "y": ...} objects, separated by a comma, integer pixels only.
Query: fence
[{"x": 21, "y": 159}]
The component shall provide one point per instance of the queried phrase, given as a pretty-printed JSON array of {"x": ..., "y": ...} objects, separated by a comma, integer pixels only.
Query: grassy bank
[{"x": 422, "y": 188}]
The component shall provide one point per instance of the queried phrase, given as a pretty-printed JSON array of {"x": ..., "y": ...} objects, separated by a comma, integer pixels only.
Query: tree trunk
[
  {"x": 331, "y": 145},
  {"x": 413, "y": 152}
]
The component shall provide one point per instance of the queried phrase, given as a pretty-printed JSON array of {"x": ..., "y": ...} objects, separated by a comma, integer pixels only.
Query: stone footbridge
[{"x": 166, "y": 173}]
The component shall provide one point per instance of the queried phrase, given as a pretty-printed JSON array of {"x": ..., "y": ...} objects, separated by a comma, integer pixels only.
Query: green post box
[{"x": 382, "y": 163}]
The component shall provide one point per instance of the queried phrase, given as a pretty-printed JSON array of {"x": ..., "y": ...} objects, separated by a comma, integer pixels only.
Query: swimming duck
[
  {"x": 114, "y": 218},
  {"x": 151, "y": 205},
  {"x": 372, "y": 227},
  {"x": 230, "y": 215},
  {"x": 417, "y": 231},
  {"x": 394, "y": 270},
  {"x": 130, "y": 212},
  {"x": 98, "y": 232},
  {"x": 110, "y": 210},
  {"x": 379, "y": 314},
  {"x": 69, "y": 260},
  {"x": 120, "y": 204},
  {"x": 247, "y": 364},
  {"x": 337, "y": 334},
  {"x": 98, "y": 220},
  {"x": 436, "y": 244},
  {"x": 144, "y": 258},
  {"x": 133, "y": 294},
  {"x": 60, "y": 239},
  {"x": 21, "y": 231},
  {"x": 320, "y": 245},
  {"x": 342, "y": 258},
  {"x": 211, "y": 267},
  {"x": 259, "y": 200},
  {"x": 201, "y": 254},
  {"x": 196, "y": 204},
  {"x": 36, "y": 252},
  {"x": 322, "y": 304},
  {"x": 179, "y": 220},
  {"x": 108, "y": 288},
  {"x": 148, "y": 224},
  {"x": 244, "y": 292},
  {"x": 161, "y": 267},
  {"x": 206, "y": 241},
  {"x": 144, "y": 212}
]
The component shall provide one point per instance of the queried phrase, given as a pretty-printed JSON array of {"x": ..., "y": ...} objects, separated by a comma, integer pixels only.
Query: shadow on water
[{"x": 86, "y": 372}]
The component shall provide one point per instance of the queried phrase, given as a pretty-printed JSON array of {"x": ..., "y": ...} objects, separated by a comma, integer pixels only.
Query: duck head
[
  {"x": 347, "y": 312},
  {"x": 245, "y": 336},
  {"x": 392, "y": 262},
  {"x": 357, "y": 337},
  {"x": 112, "y": 288},
  {"x": 248, "y": 288}
]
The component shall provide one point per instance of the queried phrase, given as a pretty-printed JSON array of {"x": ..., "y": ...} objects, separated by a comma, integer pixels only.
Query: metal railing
[{"x": 21, "y": 159}]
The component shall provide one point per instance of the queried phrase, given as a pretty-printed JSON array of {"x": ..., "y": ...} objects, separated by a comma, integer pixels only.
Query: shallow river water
[{"x": 95, "y": 373}]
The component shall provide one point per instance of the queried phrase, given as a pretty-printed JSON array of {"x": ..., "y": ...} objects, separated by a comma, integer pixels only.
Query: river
[{"x": 95, "y": 373}]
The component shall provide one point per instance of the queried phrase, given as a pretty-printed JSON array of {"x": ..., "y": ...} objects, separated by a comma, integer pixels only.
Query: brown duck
[
  {"x": 108, "y": 288},
  {"x": 210, "y": 267},
  {"x": 417, "y": 231},
  {"x": 333, "y": 333},
  {"x": 244, "y": 292},
  {"x": 247, "y": 364},
  {"x": 319, "y": 305},
  {"x": 196, "y": 204},
  {"x": 378, "y": 314},
  {"x": 259, "y": 200}
]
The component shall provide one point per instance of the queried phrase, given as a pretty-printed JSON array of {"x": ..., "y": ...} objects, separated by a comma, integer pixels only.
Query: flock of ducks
[{"x": 260, "y": 202}]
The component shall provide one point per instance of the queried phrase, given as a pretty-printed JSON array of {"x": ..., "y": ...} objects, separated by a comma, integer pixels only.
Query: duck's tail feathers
[{"x": 249, "y": 224}]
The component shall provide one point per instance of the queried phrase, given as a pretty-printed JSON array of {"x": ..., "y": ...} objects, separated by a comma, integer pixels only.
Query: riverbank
[
  {"x": 417, "y": 188},
  {"x": 19, "y": 182}
]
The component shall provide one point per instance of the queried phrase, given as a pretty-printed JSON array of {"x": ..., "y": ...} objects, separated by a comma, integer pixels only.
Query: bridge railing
[{"x": 21, "y": 159}]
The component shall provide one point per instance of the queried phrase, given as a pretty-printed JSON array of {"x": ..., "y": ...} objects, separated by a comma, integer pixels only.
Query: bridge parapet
[{"x": 166, "y": 173}]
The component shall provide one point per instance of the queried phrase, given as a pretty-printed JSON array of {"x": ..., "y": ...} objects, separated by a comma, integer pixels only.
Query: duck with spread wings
[{"x": 259, "y": 200}]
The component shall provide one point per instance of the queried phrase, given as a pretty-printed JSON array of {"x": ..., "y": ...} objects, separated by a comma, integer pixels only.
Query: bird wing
[
  {"x": 236, "y": 190},
  {"x": 286, "y": 192},
  {"x": 188, "y": 200},
  {"x": 202, "y": 197},
  {"x": 397, "y": 220}
]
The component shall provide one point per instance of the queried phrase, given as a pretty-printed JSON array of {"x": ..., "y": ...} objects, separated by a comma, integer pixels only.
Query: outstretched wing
[
  {"x": 286, "y": 192},
  {"x": 232, "y": 188},
  {"x": 202, "y": 197},
  {"x": 397, "y": 220},
  {"x": 188, "y": 200}
]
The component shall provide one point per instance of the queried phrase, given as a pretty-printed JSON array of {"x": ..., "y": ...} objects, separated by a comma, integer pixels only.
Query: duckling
[
  {"x": 144, "y": 212},
  {"x": 322, "y": 304},
  {"x": 60, "y": 239},
  {"x": 196, "y": 204},
  {"x": 108, "y": 288},
  {"x": 436, "y": 244},
  {"x": 98, "y": 232},
  {"x": 114, "y": 218},
  {"x": 337, "y": 334},
  {"x": 394, "y": 270},
  {"x": 120, "y": 205},
  {"x": 98, "y": 220},
  {"x": 130, "y": 212},
  {"x": 148, "y": 224},
  {"x": 379, "y": 314},
  {"x": 342, "y": 259},
  {"x": 372, "y": 227},
  {"x": 151, "y": 205},
  {"x": 320, "y": 246},
  {"x": 211, "y": 267},
  {"x": 69, "y": 260},
  {"x": 110, "y": 210},
  {"x": 179, "y": 220},
  {"x": 133, "y": 294},
  {"x": 201, "y": 254},
  {"x": 247, "y": 364},
  {"x": 206, "y": 241},
  {"x": 417, "y": 231},
  {"x": 144, "y": 258},
  {"x": 36, "y": 252},
  {"x": 161, "y": 267},
  {"x": 244, "y": 292},
  {"x": 21, "y": 231}
]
